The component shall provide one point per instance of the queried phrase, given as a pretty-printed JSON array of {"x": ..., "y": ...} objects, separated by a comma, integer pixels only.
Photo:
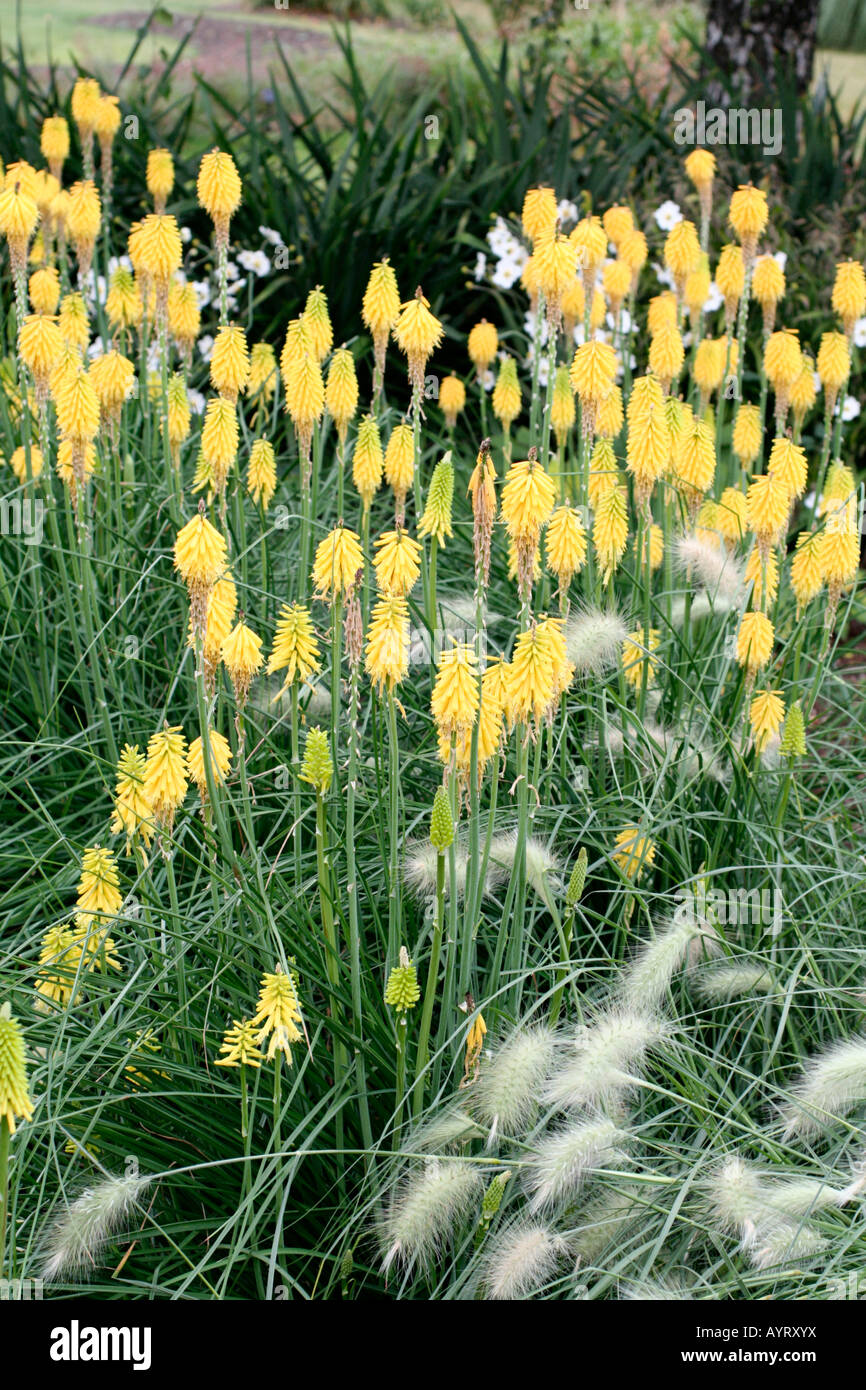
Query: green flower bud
[
  {"x": 574, "y": 892},
  {"x": 441, "y": 823},
  {"x": 793, "y": 741},
  {"x": 316, "y": 767},
  {"x": 402, "y": 991}
]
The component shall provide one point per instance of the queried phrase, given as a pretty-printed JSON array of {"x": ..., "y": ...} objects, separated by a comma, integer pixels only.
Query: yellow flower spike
[
  {"x": 222, "y": 606},
  {"x": 697, "y": 288},
  {"x": 617, "y": 221},
  {"x": 787, "y": 462},
  {"x": 731, "y": 280},
  {"x": 295, "y": 649},
  {"x": 279, "y": 1014},
  {"x": 648, "y": 450},
  {"x": 40, "y": 343},
  {"x": 454, "y": 701},
  {"x": 397, "y": 563},
  {"x": 682, "y": 252},
  {"x": 380, "y": 310},
  {"x": 54, "y": 143},
  {"x": 60, "y": 952},
  {"x": 113, "y": 378},
  {"x": 230, "y": 362},
  {"x": 341, "y": 391},
  {"x": 400, "y": 466},
  {"x": 387, "y": 653},
  {"x": 452, "y": 399},
  {"x": 803, "y": 393},
  {"x": 98, "y": 894},
  {"x": 609, "y": 418},
  {"x": 539, "y": 211},
  {"x": 85, "y": 104},
  {"x": 834, "y": 366},
  {"x": 338, "y": 563},
  {"x": 242, "y": 658},
  {"x": 44, "y": 290},
  {"x": 758, "y": 568},
  {"x": 616, "y": 283},
  {"x": 305, "y": 402},
  {"x": 165, "y": 778},
  {"x": 417, "y": 332},
  {"x": 839, "y": 550},
  {"x": 318, "y": 322},
  {"x": 654, "y": 541},
  {"x": 367, "y": 460},
  {"x": 747, "y": 434},
  {"x": 219, "y": 191},
  {"x": 849, "y": 294},
  {"x": 633, "y": 852},
  {"x": 700, "y": 167},
  {"x": 507, "y": 399},
  {"x": 263, "y": 372},
  {"x": 532, "y": 674},
  {"x": 159, "y": 177},
  {"x": 18, "y": 463},
  {"x": 556, "y": 258},
  {"x": 748, "y": 215},
  {"x": 634, "y": 251},
  {"x": 178, "y": 414},
  {"x": 73, "y": 320},
  {"x": 593, "y": 374},
  {"x": 662, "y": 312},
  {"x": 262, "y": 472},
  {"x": 807, "y": 575},
  {"x": 18, "y": 217},
  {"x": 783, "y": 363},
  {"x": 132, "y": 812},
  {"x": 200, "y": 557},
  {"x": 565, "y": 545},
  {"x": 610, "y": 530},
  {"x": 695, "y": 459},
  {"x": 239, "y": 1047},
  {"x": 298, "y": 341},
  {"x": 768, "y": 287},
  {"x": 768, "y": 503},
  {"x": 666, "y": 355},
  {"x": 220, "y": 761},
  {"x": 731, "y": 515},
  {"x": 590, "y": 242},
  {"x": 482, "y": 345},
  {"x": 766, "y": 715},
  {"x": 123, "y": 302},
  {"x": 754, "y": 641},
  {"x": 636, "y": 651},
  {"x": 15, "y": 1102},
  {"x": 562, "y": 409},
  {"x": 219, "y": 439}
]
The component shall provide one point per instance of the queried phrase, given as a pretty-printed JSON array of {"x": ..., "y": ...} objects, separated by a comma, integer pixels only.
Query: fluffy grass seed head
[
  {"x": 505, "y": 1095},
  {"x": 564, "y": 1158},
  {"x": 830, "y": 1086},
  {"x": 427, "y": 1208},
  {"x": 606, "y": 1058},
  {"x": 77, "y": 1239},
  {"x": 520, "y": 1260}
]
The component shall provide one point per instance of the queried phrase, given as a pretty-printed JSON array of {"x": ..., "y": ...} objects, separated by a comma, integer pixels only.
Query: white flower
[
  {"x": 850, "y": 408},
  {"x": 781, "y": 259},
  {"x": 505, "y": 274},
  {"x": 543, "y": 365},
  {"x": 202, "y": 293},
  {"x": 714, "y": 300},
  {"x": 668, "y": 215},
  {"x": 499, "y": 237},
  {"x": 205, "y": 346},
  {"x": 530, "y": 322},
  {"x": 95, "y": 349},
  {"x": 196, "y": 402},
  {"x": 118, "y": 263},
  {"x": 480, "y": 266},
  {"x": 625, "y": 324},
  {"x": 566, "y": 211},
  {"x": 153, "y": 362},
  {"x": 255, "y": 261},
  {"x": 488, "y": 381},
  {"x": 185, "y": 235},
  {"x": 860, "y": 333},
  {"x": 270, "y": 235},
  {"x": 817, "y": 382},
  {"x": 579, "y": 334},
  {"x": 232, "y": 272}
]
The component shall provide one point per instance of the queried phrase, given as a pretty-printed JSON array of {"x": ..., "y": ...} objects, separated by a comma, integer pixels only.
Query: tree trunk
[{"x": 747, "y": 38}]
